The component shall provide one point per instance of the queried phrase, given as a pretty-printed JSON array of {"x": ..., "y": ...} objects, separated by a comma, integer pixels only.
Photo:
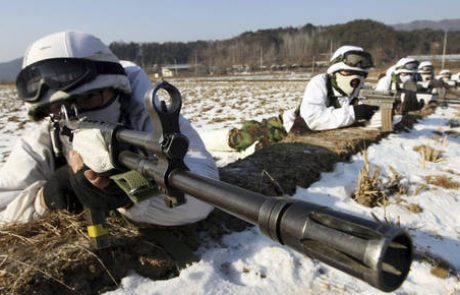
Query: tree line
[{"x": 298, "y": 46}]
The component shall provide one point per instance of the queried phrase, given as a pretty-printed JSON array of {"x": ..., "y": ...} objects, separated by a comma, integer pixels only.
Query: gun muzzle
[{"x": 379, "y": 254}]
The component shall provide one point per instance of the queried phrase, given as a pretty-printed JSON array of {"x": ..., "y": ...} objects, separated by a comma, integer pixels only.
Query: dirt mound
[
  {"x": 298, "y": 160},
  {"x": 52, "y": 255},
  {"x": 301, "y": 158}
]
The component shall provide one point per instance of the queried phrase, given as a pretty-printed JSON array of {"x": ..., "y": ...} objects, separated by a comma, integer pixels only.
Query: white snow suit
[
  {"x": 317, "y": 110},
  {"x": 32, "y": 162}
]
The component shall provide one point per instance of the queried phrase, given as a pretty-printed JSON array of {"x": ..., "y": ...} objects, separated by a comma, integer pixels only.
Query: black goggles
[
  {"x": 355, "y": 58},
  {"x": 411, "y": 66},
  {"x": 61, "y": 74},
  {"x": 351, "y": 72},
  {"x": 426, "y": 69}
]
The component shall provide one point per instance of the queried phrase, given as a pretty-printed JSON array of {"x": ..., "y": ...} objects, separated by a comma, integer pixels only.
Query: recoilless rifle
[{"x": 378, "y": 253}]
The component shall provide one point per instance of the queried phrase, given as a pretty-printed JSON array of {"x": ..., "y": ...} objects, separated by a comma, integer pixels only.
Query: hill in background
[
  {"x": 286, "y": 48},
  {"x": 291, "y": 47},
  {"x": 443, "y": 25},
  {"x": 9, "y": 70}
]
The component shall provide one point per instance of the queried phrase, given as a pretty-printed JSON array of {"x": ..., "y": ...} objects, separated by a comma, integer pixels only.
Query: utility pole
[
  {"x": 330, "y": 48},
  {"x": 175, "y": 67},
  {"x": 196, "y": 63},
  {"x": 261, "y": 58},
  {"x": 140, "y": 56},
  {"x": 313, "y": 66},
  {"x": 444, "y": 49}
]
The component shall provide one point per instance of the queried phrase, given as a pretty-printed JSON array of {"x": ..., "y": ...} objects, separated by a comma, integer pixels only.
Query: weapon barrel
[
  {"x": 137, "y": 138},
  {"x": 379, "y": 254}
]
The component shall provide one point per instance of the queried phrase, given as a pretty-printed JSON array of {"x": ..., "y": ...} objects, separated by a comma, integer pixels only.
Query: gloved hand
[
  {"x": 107, "y": 198},
  {"x": 364, "y": 111},
  {"x": 57, "y": 193},
  {"x": 411, "y": 103}
]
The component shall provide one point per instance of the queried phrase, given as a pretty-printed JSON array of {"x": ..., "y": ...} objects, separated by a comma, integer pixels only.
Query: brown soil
[{"x": 52, "y": 255}]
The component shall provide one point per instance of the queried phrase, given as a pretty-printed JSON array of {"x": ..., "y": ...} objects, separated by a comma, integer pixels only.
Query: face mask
[
  {"x": 425, "y": 77},
  {"x": 349, "y": 84},
  {"x": 405, "y": 78},
  {"x": 110, "y": 113}
]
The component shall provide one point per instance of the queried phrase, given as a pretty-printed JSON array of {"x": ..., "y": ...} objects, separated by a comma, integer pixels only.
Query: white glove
[{"x": 90, "y": 144}]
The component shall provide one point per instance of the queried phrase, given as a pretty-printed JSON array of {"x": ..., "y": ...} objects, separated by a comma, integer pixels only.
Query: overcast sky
[{"x": 24, "y": 21}]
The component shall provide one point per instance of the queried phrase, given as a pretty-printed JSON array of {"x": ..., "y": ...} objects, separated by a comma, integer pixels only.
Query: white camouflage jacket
[
  {"x": 31, "y": 163},
  {"x": 315, "y": 111}
]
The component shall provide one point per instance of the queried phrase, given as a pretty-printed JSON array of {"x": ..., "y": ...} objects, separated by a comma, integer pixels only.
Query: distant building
[
  {"x": 183, "y": 69},
  {"x": 174, "y": 70}
]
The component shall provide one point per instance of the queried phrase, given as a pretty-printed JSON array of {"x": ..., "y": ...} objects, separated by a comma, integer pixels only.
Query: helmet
[
  {"x": 350, "y": 58},
  {"x": 61, "y": 65},
  {"x": 425, "y": 71},
  {"x": 425, "y": 67},
  {"x": 406, "y": 65},
  {"x": 354, "y": 60},
  {"x": 445, "y": 73}
]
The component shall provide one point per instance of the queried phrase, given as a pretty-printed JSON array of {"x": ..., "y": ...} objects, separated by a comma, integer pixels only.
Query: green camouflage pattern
[{"x": 266, "y": 132}]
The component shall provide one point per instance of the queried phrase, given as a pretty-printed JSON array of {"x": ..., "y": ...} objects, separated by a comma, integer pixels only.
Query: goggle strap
[{"x": 107, "y": 68}]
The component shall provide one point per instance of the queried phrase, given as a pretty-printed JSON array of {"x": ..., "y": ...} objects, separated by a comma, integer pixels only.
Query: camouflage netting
[{"x": 52, "y": 255}]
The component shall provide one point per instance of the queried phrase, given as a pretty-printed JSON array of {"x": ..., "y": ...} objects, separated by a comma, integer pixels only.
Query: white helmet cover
[
  {"x": 400, "y": 66},
  {"x": 74, "y": 44},
  {"x": 341, "y": 65},
  {"x": 445, "y": 72},
  {"x": 425, "y": 67}
]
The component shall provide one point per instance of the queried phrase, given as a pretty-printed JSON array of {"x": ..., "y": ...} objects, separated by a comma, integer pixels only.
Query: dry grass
[
  {"x": 443, "y": 140},
  {"x": 419, "y": 188},
  {"x": 428, "y": 154},
  {"x": 440, "y": 271},
  {"x": 374, "y": 190},
  {"x": 451, "y": 171},
  {"x": 395, "y": 184},
  {"x": 453, "y": 133},
  {"x": 415, "y": 208},
  {"x": 440, "y": 267},
  {"x": 38, "y": 248},
  {"x": 52, "y": 255},
  {"x": 457, "y": 113},
  {"x": 442, "y": 181},
  {"x": 369, "y": 191}
]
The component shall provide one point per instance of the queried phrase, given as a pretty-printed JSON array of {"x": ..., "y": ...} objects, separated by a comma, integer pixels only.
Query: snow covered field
[
  {"x": 248, "y": 262},
  {"x": 13, "y": 120},
  {"x": 224, "y": 104}
]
